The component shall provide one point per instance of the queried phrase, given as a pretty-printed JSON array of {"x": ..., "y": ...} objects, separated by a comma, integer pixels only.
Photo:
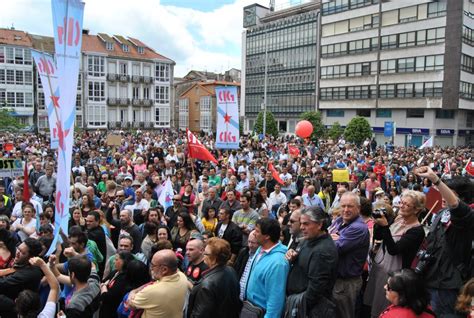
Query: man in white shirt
[
  {"x": 277, "y": 198},
  {"x": 141, "y": 205},
  {"x": 312, "y": 199},
  {"x": 286, "y": 177}
]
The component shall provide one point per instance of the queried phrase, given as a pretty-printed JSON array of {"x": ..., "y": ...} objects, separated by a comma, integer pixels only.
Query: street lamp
[{"x": 265, "y": 85}]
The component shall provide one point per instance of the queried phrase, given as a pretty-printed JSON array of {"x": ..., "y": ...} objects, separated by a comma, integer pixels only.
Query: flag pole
[{"x": 191, "y": 158}]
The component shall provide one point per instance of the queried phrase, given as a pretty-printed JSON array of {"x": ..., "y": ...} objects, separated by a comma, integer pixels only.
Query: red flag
[
  {"x": 196, "y": 149},
  {"x": 26, "y": 186},
  {"x": 447, "y": 167},
  {"x": 294, "y": 151},
  {"x": 275, "y": 174},
  {"x": 470, "y": 167}
]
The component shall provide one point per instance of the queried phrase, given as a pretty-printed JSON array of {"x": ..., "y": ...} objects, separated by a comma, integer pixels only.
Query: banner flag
[
  {"x": 67, "y": 23},
  {"x": 166, "y": 195},
  {"x": 197, "y": 150},
  {"x": 275, "y": 174},
  {"x": 428, "y": 143},
  {"x": 48, "y": 73},
  {"x": 227, "y": 135}
]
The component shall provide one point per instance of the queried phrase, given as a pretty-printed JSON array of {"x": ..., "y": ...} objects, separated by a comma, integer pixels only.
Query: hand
[
  {"x": 52, "y": 260},
  {"x": 37, "y": 261},
  {"x": 61, "y": 314},
  {"x": 69, "y": 252},
  {"x": 335, "y": 236},
  {"x": 291, "y": 255},
  {"x": 381, "y": 221},
  {"x": 426, "y": 172}
]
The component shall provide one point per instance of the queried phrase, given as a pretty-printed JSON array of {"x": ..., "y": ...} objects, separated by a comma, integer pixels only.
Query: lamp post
[{"x": 265, "y": 79}]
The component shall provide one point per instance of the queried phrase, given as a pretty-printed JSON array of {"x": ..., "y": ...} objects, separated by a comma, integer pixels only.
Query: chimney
[{"x": 85, "y": 31}]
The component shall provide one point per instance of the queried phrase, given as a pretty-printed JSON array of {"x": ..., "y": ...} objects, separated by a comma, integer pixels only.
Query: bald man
[
  {"x": 166, "y": 296},
  {"x": 195, "y": 254}
]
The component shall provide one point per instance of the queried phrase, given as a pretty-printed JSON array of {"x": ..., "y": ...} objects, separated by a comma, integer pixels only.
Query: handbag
[{"x": 249, "y": 310}]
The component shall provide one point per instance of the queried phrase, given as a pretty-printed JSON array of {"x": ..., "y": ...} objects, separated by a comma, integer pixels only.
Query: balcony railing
[
  {"x": 146, "y": 102},
  {"x": 124, "y": 78},
  {"x": 147, "y": 79},
  {"x": 135, "y": 102},
  {"x": 112, "y": 101},
  {"x": 127, "y": 125},
  {"x": 124, "y": 101},
  {"x": 135, "y": 78},
  {"x": 112, "y": 77}
]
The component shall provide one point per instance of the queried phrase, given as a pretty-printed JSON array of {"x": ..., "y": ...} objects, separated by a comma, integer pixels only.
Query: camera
[
  {"x": 424, "y": 259},
  {"x": 379, "y": 212}
]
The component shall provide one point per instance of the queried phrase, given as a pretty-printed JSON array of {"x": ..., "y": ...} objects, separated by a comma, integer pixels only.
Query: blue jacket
[{"x": 267, "y": 281}]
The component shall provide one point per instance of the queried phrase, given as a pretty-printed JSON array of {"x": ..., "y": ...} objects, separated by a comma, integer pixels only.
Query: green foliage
[
  {"x": 335, "y": 131},
  {"x": 271, "y": 128},
  {"x": 7, "y": 121},
  {"x": 358, "y": 130},
  {"x": 314, "y": 117}
]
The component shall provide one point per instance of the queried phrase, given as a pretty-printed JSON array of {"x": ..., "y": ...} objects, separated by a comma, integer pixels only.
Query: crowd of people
[{"x": 265, "y": 232}]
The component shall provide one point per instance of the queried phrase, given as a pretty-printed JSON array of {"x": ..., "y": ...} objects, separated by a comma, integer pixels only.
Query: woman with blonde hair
[{"x": 400, "y": 243}]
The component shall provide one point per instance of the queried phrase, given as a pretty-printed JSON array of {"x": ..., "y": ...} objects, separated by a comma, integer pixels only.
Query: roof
[
  {"x": 42, "y": 43},
  {"x": 96, "y": 43},
  {"x": 209, "y": 87},
  {"x": 14, "y": 37}
]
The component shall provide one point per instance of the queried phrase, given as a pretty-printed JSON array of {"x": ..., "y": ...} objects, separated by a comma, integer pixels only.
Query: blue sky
[{"x": 196, "y": 34}]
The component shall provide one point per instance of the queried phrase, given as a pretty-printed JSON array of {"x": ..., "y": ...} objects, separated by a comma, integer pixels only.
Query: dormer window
[
  {"x": 141, "y": 50},
  {"x": 109, "y": 46},
  {"x": 125, "y": 47}
]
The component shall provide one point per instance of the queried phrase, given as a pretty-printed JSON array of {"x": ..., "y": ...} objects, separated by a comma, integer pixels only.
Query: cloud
[{"x": 194, "y": 39}]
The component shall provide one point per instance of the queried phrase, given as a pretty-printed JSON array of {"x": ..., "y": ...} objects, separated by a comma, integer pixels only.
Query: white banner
[
  {"x": 227, "y": 135},
  {"x": 67, "y": 22},
  {"x": 48, "y": 73}
]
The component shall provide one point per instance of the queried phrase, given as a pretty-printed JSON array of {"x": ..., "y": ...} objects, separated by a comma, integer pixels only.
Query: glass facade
[{"x": 291, "y": 64}]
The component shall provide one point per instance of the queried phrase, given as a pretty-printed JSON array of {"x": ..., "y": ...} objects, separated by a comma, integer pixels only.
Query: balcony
[
  {"x": 124, "y": 101},
  {"x": 136, "y": 79},
  {"x": 136, "y": 102},
  {"x": 124, "y": 78},
  {"x": 147, "y": 79},
  {"x": 112, "y": 77},
  {"x": 112, "y": 101},
  {"x": 147, "y": 102},
  {"x": 147, "y": 124}
]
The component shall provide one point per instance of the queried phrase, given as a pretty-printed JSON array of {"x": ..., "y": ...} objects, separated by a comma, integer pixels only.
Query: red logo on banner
[
  {"x": 226, "y": 96},
  {"x": 59, "y": 206},
  {"x": 73, "y": 32},
  {"x": 227, "y": 137},
  {"x": 45, "y": 66}
]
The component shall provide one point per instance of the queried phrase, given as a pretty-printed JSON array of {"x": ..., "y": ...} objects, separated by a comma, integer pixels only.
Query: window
[
  {"x": 11, "y": 99},
  {"x": 28, "y": 78},
  {"x": 96, "y": 91},
  {"x": 445, "y": 113},
  {"x": 335, "y": 113},
  {"x": 183, "y": 107},
  {"x": 405, "y": 90},
  {"x": 109, "y": 46},
  {"x": 435, "y": 35},
  {"x": 79, "y": 102},
  {"x": 19, "y": 77},
  {"x": 388, "y": 66},
  {"x": 436, "y": 9},
  {"x": 28, "y": 99},
  {"x": 467, "y": 37},
  {"x": 3, "y": 98},
  {"x": 96, "y": 115},
  {"x": 407, "y": 14},
  {"x": 96, "y": 66},
  {"x": 123, "y": 68},
  {"x": 162, "y": 72},
  {"x": 407, "y": 39},
  {"x": 18, "y": 56},
  {"x": 387, "y": 91},
  {"x": 434, "y": 89},
  {"x": 146, "y": 93},
  {"x": 205, "y": 109},
  {"x": 135, "y": 69},
  {"x": 415, "y": 113},
  {"x": 41, "y": 104},
  {"x": 125, "y": 47},
  {"x": 28, "y": 59},
  {"x": 2, "y": 76},
  {"x": 10, "y": 77},
  {"x": 363, "y": 112},
  {"x": 162, "y": 116},
  {"x": 10, "y": 55},
  {"x": 162, "y": 94},
  {"x": 467, "y": 64},
  {"x": 2, "y": 54},
  {"x": 389, "y": 42},
  {"x": 467, "y": 90},
  {"x": 135, "y": 92},
  {"x": 141, "y": 50},
  {"x": 383, "y": 113},
  {"x": 20, "y": 99},
  {"x": 406, "y": 65}
]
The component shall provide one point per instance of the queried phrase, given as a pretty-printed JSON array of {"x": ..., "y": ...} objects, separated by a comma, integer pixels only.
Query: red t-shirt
[{"x": 393, "y": 311}]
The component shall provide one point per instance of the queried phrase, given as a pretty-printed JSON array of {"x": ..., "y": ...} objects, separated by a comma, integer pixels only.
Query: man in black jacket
[
  {"x": 96, "y": 233},
  {"x": 244, "y": 261},
  {"x": 229, "y": 231},
  {"x": 22, "y": 276},
  {"x": 446, "y": 264},
  {"x": 125, "y": 224},
  {"x": 313, "y": 265}
]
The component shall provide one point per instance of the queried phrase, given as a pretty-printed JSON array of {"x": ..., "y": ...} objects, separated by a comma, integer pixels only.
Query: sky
[{"x": 197, "y": 34}]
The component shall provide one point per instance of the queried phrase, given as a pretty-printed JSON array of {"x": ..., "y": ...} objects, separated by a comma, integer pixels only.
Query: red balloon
[{"x": 304, "y": 129}]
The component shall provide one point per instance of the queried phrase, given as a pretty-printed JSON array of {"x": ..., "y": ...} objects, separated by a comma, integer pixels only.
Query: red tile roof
[{"x": 14, "y": 37}]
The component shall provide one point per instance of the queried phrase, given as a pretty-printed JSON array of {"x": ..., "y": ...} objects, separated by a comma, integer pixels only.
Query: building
[
  {"x": 16, "y": 74},
  {"x": 181, "y": 85},
  {"x": 197, "y": 106},
  {"x": 281, "y": 45},
  {"x": 122, "y": 83},
  {"x": 400, "y": 61},
  {"x": 388, "y": 61}
]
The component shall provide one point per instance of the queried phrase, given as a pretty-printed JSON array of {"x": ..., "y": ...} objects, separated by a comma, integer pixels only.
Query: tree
[
  {"x": 271, "y": 128},
  {"x": 7, "y": 121},
  {"x": 335, "y": 131},
  {"x": 314, "y": 117},
  {"x": 358, "y": 130}
]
